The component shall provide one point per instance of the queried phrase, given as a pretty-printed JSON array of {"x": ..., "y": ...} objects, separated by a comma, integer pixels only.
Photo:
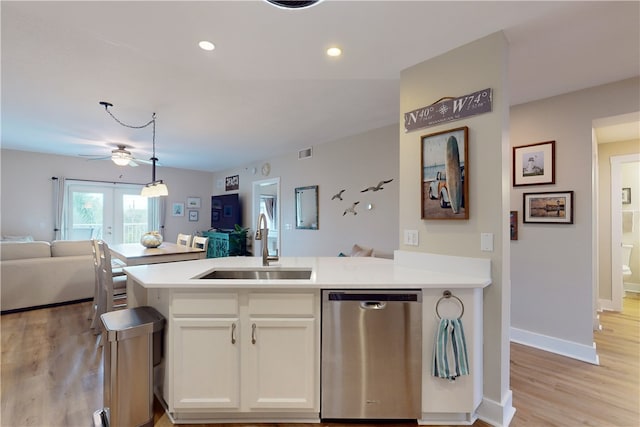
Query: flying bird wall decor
[
  {"x": 377, "y": 187},
  {"x": 338, "y": 195},
  {"x": 351, "y": 209}
]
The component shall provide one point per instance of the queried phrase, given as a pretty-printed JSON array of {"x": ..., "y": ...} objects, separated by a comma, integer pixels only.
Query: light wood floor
[{"x": 51, "y": 375}]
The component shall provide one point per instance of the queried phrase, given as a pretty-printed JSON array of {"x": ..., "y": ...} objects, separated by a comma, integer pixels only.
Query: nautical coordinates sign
[{"x": 448, "y": 110}]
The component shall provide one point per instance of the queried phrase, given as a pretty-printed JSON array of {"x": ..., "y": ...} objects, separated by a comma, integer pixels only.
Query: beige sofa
[{"x": 40, "y": 273}]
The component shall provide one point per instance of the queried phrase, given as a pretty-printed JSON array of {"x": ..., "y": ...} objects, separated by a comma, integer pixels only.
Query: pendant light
[{"x": 155, "y": 188}]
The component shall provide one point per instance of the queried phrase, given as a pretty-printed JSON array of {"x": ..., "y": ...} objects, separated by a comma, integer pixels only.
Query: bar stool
[{"x": 108, "y": 288}]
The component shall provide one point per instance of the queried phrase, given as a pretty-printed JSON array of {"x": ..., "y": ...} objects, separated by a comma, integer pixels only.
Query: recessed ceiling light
[
  {"x": 334, "y": 51},
  {"x": 206, "y": 45},
  {"x": 293, "y": 4}
]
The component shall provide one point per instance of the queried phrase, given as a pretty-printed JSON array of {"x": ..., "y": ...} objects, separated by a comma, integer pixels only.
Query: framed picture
[
  {"x": 193, "y": 202},
  {"x": 177, "y": 209},
  {"x": 193, "y": 216},
  {"x": 626, "y": 195},
  {"x": 232, "y": 183},
  {"x": 534, "y": 164},
  {"x": 513, "y": 225},
  {"x": 445, "y": 171},
  {"x": 555, "y": 207}
]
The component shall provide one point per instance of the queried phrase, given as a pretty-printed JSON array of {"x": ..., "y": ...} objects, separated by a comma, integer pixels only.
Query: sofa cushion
[
  {"x": 24, "y": 250},
  {"x": 70, "y": 247}
]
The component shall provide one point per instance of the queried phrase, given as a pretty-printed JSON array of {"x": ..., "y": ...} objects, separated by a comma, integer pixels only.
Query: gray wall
[
  {"x": 351, "y": 163},
  {"x": 26, "y": 200},
  {"x": 553, "y": 279}
]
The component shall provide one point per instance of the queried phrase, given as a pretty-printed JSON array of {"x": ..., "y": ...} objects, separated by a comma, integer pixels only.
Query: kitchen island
[{"x": 248, "y": 350}]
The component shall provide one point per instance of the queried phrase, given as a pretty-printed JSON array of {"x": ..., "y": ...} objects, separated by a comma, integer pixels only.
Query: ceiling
[{"x": 269, "y": 88}]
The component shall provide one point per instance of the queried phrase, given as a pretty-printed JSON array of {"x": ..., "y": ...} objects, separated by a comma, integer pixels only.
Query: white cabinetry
[{"x": 243, "y": 352}]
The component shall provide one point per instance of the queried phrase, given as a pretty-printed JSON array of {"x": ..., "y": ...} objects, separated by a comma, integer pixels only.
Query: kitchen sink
[{"x": 259, "y": 274}]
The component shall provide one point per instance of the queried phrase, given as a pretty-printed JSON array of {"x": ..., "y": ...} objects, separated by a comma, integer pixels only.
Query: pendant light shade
[{"x": 155, "y": 189}]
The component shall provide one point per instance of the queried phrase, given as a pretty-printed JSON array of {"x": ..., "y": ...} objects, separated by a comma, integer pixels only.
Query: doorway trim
[
  {"x": 617, "y": 284},
  {"x": 255, "y": 210}
]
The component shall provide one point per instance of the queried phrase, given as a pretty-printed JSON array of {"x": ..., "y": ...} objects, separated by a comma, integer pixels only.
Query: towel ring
[{"x": 447, "y": 295}]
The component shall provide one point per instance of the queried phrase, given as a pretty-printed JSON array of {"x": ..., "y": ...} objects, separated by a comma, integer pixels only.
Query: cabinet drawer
[
  {"x": 200, "y": 303},
  {"x": 275, "y": 304}
]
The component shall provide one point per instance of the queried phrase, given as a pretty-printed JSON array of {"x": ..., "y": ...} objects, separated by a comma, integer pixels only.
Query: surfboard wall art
[{"x": 445, "y": 187}]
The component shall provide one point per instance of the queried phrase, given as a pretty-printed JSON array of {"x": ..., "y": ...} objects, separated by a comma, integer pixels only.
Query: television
[{"x": 225, "y": 211}]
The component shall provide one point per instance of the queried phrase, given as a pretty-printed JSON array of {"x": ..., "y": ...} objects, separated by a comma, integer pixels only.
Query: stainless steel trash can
[{"x": 133, "y": 346}]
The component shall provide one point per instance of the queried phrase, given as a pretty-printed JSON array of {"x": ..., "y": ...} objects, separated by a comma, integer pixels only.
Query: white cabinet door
[
  {"x": 281, "y": 358},
  {"x": 206, "y": 368}
]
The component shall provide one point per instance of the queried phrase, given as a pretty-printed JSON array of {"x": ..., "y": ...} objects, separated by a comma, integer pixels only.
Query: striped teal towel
[{"x": 450, "y": 350}]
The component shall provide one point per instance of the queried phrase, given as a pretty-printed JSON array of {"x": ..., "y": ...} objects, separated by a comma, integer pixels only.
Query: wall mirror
[
  {"x": 307, "y": 207},
  {"x": 266, "y": 200}
]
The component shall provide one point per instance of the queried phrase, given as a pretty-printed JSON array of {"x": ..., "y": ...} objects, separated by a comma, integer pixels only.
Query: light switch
[
  {"x": 411, "y": 237},
  {"x": 486, "y": 242}
]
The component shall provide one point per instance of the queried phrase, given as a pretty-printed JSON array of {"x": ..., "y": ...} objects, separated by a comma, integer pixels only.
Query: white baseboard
[
  {"x": 498, "y": 414},
  {"x": 559, "y": 346},
  {"x": 606, "y": 305},
  {"x": 631, "y": 287}
]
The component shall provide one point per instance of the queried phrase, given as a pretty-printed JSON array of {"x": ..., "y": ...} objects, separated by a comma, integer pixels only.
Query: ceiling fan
[{"x": 120, "y": 156}]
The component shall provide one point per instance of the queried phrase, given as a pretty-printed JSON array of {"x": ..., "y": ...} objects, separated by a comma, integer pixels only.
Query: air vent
[{"x": 305, "y": 154}]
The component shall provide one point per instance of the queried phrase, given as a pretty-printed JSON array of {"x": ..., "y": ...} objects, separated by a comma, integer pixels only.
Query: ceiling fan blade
[
  {"x": 148, "y": 162},
  {"x": 133, "y": 163},
  {"x": 94, "y": 157}
]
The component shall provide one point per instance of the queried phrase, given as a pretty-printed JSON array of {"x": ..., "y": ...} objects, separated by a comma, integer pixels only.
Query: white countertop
[{"x": 408, "y": 270}]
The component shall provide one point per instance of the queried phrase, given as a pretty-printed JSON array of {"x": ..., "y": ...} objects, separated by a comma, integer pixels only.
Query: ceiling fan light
[
  {"x": 155, "y": 189},
  {"x": 120, "y": 159}
]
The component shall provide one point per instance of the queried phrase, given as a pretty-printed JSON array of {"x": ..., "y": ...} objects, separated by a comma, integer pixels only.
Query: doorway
[
  {"x": 115, "y": 213},
  {"x": 624, "y": 215},
  {"x": 615, "y": 145},
  {"x": 266, "y": 200}
]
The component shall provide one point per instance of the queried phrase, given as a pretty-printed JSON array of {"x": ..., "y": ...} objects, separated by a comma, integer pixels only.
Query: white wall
[
  {"x": 473, "y": 67},
  {"x": 26, "y": 201},
  {"x": 552, "y": 276},
  {"x": 351, "y": 163}
]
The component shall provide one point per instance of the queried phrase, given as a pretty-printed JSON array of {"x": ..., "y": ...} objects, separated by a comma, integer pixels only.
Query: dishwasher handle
[
  {"x": 374, "y": 297},
  {"x": 373, "y": 305}
]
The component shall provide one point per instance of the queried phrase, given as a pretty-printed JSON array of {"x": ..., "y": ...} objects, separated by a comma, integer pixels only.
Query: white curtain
[
  {"x": 157, "y": 208},
  {"x": 269, "y": 206},
  {"x": 58, "y": 206}
]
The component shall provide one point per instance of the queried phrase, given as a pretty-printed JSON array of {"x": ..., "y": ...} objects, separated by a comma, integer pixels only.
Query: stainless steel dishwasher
[{"x": 371, "y": 354}]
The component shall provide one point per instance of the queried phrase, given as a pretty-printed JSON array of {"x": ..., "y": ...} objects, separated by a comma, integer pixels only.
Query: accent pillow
[{"x": 358, "y": 250}]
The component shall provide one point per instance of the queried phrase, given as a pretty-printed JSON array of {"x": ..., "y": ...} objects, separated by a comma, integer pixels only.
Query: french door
[{"x": 115, "y": 213}]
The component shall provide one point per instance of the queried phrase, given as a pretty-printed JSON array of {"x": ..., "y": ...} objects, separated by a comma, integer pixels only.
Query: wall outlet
[{"x": 411, "y": 237}]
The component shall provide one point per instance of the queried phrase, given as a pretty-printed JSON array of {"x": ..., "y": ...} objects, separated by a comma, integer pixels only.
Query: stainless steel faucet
[{"x": 263, "y": 235}]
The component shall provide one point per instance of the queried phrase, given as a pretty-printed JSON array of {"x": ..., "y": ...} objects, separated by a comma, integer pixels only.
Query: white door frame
[
  {"x": 616, "y": 227},
  {"x": 255, "y": 197}
]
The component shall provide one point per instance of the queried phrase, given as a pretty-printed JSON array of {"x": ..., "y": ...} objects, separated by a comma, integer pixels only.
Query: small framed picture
[
  {"x": 534, "y": 164},
  {"x": 177, "y": 209},
  {"x": 554, "y": 207},
  {"x": 232, "y": 183},
  {"x": 193, "y": 216},
  {"x": 513, "y": 225},
  {"x": 193, "y": 202},
  {"x": 626, "y": 196}
]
